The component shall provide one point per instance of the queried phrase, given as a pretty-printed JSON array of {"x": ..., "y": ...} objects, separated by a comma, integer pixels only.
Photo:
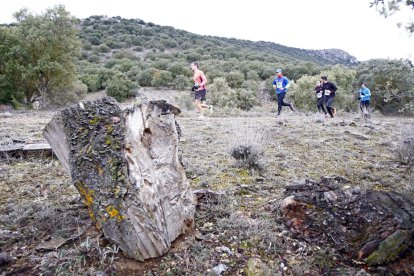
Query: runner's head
[
  {"x": 363, "y": 84},
  {"x": 324, "y": 79},
  {"x": 194, "y": 65},
  {"x": 279, "y": 72},
  {"x": 318, "y": 83}
]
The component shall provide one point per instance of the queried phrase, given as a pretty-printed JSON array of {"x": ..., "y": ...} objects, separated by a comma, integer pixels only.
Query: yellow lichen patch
[
  {"x": 117, "y": 190},
  {"x": 108, "y": 140},
  {"x": 94, "y": 121},
  {"x": 85, "y": 192},
  {"x": 109, "y": 129},
  {"x": 380, "y": 187},
  {"x": 114, "y": 213},
  {"x": 88, "y": 196}
]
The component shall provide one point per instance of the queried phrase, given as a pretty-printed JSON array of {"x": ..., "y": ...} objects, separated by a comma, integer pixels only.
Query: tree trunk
[{"x": 125, "y": 165}]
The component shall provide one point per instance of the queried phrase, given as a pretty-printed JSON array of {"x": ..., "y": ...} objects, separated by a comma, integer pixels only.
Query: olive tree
[{"x": 50, "y": 46}]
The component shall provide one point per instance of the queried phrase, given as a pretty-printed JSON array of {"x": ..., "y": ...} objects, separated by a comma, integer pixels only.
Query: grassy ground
[{"x": 240, "y": 233}]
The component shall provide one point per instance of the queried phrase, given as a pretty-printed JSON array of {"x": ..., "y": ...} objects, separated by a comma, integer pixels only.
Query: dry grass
[{"x": 242, "y": 231}]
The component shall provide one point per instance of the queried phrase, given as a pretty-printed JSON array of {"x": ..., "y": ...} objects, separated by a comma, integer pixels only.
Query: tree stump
[{"x": 125, "y": 165}]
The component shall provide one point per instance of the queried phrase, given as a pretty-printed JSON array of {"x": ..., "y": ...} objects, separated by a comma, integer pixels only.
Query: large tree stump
[{"x": 125, "y": 165}]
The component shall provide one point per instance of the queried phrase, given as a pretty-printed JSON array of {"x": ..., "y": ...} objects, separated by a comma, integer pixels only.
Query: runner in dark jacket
[
  {"x": 329, "y": 90},
  {"x": 320, "y": 97}
]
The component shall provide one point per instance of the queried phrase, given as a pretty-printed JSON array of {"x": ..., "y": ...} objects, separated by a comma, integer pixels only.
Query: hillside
[{"x": 118, "y": 33}]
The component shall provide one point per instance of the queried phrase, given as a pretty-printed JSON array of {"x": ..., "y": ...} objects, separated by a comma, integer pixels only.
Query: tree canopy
[{"x": 40, "y": 55}]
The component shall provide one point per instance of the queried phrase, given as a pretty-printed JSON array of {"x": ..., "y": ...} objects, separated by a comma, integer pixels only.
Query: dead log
[
  {"x": 21, "y": 151},
  {"x": 125, "y": 165},
  {"x": 376, "y": 227}
]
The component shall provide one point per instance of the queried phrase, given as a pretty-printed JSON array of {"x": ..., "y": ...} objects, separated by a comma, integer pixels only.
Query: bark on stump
[{"x": 125, "y": 165}]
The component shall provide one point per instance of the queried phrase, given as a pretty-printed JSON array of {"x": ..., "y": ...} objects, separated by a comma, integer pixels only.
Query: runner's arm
[{"x": 203, "y": 79}]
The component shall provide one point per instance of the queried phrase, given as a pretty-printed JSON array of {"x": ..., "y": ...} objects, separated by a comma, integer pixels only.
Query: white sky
[{"x": 350, "y": 25}]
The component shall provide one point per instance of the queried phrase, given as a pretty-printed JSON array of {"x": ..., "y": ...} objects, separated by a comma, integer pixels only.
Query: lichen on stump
[{"x": 125, "y": 165}]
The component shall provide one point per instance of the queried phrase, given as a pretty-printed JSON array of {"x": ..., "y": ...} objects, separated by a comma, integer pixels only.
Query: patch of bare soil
[{"x": 45, "y": 229}]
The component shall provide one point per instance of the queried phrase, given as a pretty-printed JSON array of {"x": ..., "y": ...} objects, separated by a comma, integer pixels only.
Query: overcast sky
[{"x": 350, "y": 25}]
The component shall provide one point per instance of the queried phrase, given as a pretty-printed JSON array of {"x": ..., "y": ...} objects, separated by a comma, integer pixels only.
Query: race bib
[
  {"x": 327, "y": 92},
  {"x": 279, "y": 85},
  {"x": 319, "y": 95}
]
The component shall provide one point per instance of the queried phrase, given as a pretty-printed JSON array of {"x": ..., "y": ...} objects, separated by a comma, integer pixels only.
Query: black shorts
[
  {"x": 200, "y": 95},
  {"x": 365, "y": 103}
]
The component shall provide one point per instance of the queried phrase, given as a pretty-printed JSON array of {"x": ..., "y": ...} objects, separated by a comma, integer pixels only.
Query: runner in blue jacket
[
  {"x": 365, "y": 98},
  {"x": 281, "y": 85}
]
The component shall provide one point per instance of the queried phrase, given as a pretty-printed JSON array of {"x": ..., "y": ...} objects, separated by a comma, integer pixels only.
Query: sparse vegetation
[{"x": 242, "y": 230}]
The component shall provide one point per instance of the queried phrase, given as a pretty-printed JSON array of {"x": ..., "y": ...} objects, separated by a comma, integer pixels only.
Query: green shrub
[
  {"x": 391, "y": 83},
  {"x": 181, "y": 82},
  {"x": 67, "y": 95},
  {"x": 221, "y": 94},
  {"x": 161, "y": 78},
  {"x": 104, "y": 49},
  {"x": 125, "y": 54},
  {"x": 252, "y": 75},
  {"x": 87, "y": 46},
  {"x": 94, "y": 40},
  {"x": 267, "y": 73},
  {"x": 113, "y": 44},
  {"x": 133, "y": 73},
  {"x": 91, "y": 81},
  {"x": 124, "y": 65},
  {"x": 235, "y": 79},
  {"x": 111, "y": 63},
  {"x": 120, "y": 87},
  {"x": 179, "y": 69},
  {"x": 145, "y": 77},
  {"x": 93, "y": 58},
  {"x": 303, "y": 91},
  {"x": 246, "y": 99}
]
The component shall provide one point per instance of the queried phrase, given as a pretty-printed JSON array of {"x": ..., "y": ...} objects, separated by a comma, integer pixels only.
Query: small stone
[{"x": 219, "y": 269}]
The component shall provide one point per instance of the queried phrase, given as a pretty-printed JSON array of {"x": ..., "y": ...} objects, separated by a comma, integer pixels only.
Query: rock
[
  {"x": 224, "y": 249},
  {"x": 330, "y": 196},
  {"x": 217, "y": 270}
]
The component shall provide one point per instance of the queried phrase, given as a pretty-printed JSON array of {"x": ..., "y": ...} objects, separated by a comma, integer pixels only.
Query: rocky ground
[{"x": 45, "y": 229}]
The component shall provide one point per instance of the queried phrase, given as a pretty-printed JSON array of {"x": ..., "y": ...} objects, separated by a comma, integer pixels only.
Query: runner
[
  {"x": 329, "y": 90},
  {"x": 320, "y": 98},
  {"x": 200, "y": 89},
  {"x": 281, "y": 84},
  {"x": 365, "y": 97}
]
